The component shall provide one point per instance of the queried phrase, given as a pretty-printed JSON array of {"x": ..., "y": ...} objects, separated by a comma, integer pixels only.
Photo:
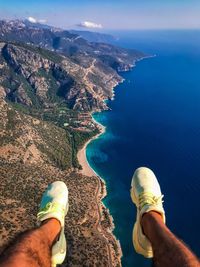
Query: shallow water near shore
[{"x": 155, "y": 122}]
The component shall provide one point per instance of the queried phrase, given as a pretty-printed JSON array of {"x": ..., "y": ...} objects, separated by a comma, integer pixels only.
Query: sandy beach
[
  {"x": 102, "y": 210},
  {"x": 81, "y": 155}
]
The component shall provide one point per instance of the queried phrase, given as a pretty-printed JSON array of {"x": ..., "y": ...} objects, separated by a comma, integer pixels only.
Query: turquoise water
[{"x": 155, "y": 122}]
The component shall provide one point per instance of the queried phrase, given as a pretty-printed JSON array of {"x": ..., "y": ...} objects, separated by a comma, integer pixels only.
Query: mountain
[
  {"x": 28, "y": 23},
  {"x": 80, "y": 73},
  {"x": 95, "y": 36},
  {"x": 36, "y": 77},
  {"x": 69, "y": 44},
  {"x": 90, "y": 36}
]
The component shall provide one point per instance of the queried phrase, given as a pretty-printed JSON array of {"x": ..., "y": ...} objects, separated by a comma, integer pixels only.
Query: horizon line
[{"x": 106, "y": 29}]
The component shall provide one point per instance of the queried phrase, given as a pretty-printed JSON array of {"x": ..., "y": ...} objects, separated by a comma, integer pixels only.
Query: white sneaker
[
  {"x": 54, "y": 204},
  {"x": 147, "y": 196}
]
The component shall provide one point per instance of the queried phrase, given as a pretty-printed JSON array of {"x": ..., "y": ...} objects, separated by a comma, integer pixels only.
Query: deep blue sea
[{"x": 155, "y": 122}]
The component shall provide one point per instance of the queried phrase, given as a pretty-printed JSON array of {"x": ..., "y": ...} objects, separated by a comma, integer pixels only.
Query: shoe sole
[
  {"x": 134, "y": 235},
  {"x": 138, "y": 248},
  {"x": 59, "y": 257},
  {"x": 133, "y": 194}
]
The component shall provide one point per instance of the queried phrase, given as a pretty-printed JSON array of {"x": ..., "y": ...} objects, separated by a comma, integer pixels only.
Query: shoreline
[
  {"x": 81, "y": 155},
  {"x": 105, "y": 225},
  {"x": 89, "y": 171}
]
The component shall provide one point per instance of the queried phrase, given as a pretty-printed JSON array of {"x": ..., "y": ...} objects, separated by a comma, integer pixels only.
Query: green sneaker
[
  {"x": 54, "y": 204},
  {"x": 146, "y": 194}
]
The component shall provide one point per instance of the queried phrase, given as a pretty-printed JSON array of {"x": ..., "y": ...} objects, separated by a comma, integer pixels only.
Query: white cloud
[
  {"x": 89, "y": 24},
  {"x": 34, "y": 20},
  {"x": 31, "y": 19}
]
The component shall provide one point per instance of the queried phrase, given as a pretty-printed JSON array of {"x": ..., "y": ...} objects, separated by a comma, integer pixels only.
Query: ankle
[
  {"x": 51, "y": 229},
  {"x": 152, "y": 214},
  {"x": 149, "y": 218}
]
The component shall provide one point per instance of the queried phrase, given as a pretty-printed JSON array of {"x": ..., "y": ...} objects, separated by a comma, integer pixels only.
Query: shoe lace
[
  {"x": 50, "y": 207},
  {"x": 147, "y": 198}
]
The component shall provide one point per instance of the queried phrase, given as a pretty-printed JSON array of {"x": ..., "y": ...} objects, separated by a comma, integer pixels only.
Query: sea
[{"x": 154, "y": 121}]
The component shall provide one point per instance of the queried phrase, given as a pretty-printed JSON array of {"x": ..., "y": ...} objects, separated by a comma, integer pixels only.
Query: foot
[
  {"x": 54, "y": 204},
  {"x": 147, "y": 196}
]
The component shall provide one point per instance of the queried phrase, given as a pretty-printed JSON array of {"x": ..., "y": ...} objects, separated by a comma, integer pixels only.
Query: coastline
[
  {"x": 105, "y": 225},
  {"x": 115, "y": 251},
  {"x": 81, "y": 155}
]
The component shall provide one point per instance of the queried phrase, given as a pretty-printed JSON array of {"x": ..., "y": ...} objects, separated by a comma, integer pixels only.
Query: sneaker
[
  {"x": 54, "y": 204},
  {"x": 147, "y": 196}
]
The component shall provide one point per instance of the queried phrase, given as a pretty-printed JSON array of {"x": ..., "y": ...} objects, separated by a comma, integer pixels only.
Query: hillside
[
  {"x": 30, "y": 149},
  {"x": 41, "y": 78}
]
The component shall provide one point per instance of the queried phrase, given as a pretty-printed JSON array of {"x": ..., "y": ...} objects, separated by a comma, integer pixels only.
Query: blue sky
[{"x": 111, "y": 14}]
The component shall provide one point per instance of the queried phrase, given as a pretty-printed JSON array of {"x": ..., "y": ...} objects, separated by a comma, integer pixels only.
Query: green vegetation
[
  {"x": 40, "y": 93},
  {"x": 11, "y": 115},
  {"x": 60, "y": 144},
  {"x": 52, "y": 85},
  {"x": 78, "y": 139}
]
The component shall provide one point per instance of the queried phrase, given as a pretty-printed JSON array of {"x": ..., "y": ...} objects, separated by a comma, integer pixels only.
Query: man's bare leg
[
  {"x": 167, "y": 249},
  {"x": 45, "y": 246},
  {"x": 151, "y": 237},
  {"x": 32, "y": 248}
]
